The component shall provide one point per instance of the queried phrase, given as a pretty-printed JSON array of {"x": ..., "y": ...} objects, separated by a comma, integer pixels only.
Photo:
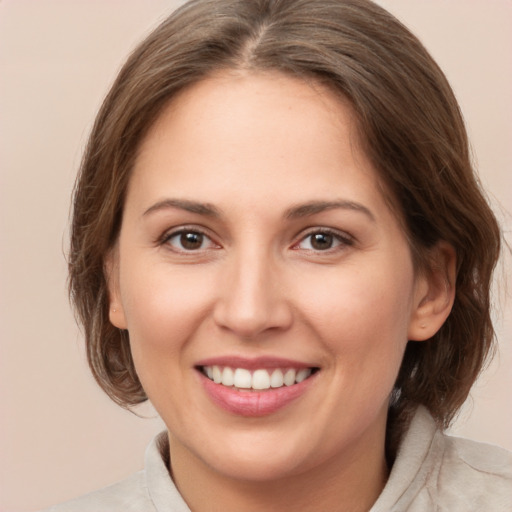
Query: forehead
[
  {"x": 266, "y": 133},
  {"x": 247, "y": 101}
]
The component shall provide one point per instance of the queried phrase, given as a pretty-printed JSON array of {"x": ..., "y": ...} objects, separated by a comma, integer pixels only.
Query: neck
[{"x": 351, "y": 483}]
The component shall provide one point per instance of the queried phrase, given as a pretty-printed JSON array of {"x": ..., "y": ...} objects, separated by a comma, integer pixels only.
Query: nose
[{"x": 252, "y": 297}]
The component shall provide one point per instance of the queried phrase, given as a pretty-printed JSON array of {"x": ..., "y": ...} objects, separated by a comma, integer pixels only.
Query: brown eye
[
  {"x": 191, "y": 241},
  {"x": 188, "y": 241},
  {"x": 321, "y": 241},
  {"x": 325, "y": 240}
]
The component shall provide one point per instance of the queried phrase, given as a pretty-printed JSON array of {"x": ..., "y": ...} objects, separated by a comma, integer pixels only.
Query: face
[{"x": 266, "y": 286}]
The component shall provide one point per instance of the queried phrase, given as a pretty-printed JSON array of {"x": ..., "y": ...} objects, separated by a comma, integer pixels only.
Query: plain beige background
[{"x": 60, "y": 436}]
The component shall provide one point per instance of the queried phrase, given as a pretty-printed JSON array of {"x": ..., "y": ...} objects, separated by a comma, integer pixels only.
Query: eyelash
[
  {"x": 340, "y": 239},
  {"x": 168, "y": 236}
]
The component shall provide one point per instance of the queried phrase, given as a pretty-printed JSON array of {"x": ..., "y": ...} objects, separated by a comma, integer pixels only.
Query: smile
[
  {"x": 258, "y": 379},
  {"x": 255, "y": 387}
]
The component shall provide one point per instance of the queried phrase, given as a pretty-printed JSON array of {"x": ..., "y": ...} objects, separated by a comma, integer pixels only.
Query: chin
[
  {"x": 258, "y": 467},
  {"x": 253, "y": 457}
]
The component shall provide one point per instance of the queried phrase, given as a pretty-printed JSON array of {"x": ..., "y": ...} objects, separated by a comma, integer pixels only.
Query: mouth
[
  {"x": 258, "y": 379},
  {"x": 254, "y": 387}
]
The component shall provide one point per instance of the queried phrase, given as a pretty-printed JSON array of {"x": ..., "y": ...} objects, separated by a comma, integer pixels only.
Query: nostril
[{"x": 248, "y": 317}]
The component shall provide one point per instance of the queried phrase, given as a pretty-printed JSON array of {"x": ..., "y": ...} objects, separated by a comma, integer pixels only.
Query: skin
[{"x": 255, "y": 146}]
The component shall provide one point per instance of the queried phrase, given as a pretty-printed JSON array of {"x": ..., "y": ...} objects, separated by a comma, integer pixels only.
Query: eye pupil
[
  {"x": 321, "y": 241},
  {"x": 191, "y": 240}
]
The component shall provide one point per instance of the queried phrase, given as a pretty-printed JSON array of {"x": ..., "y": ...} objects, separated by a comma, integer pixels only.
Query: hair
[{"x": 410, "y": 127}]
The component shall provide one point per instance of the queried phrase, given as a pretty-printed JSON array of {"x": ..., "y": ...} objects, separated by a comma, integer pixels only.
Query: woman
[{"x": 278, "y": 239}]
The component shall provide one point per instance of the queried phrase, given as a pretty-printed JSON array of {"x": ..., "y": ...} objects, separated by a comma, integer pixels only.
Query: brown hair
[{"x": 411, "y": 128}]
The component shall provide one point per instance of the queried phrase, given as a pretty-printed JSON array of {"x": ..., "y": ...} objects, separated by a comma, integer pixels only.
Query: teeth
[
  {"x": 228, "y": 379},
  {"x": 302, "y": 374},
  {"x": 289, "y": 377},
  {"x": 277, "y": 379},
  {"x": 242, "y": 378},
  {"x": 260, "y": 379},
  {"x": 217, "y": 375}
]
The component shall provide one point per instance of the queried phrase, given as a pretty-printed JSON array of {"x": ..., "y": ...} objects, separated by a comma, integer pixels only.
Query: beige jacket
[{"x": 432, "y": 472}]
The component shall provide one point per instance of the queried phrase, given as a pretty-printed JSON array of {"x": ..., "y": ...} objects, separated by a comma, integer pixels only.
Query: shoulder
[
  {"x": 149, "y": 490},
  {"x": 437, "y": 472},
  {"x": 130, "y": 495},
  {"x": 474, "y": 475}
]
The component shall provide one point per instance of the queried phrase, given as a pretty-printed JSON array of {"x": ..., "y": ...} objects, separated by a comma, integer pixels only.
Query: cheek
[
  {"x": 357, "y": 302},
  {"x": 362, "y": 318},
  {"x": 163, "y": 308}
]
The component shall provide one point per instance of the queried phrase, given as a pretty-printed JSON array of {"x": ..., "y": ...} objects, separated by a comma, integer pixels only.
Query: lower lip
[{"x": 254, "y": 403}]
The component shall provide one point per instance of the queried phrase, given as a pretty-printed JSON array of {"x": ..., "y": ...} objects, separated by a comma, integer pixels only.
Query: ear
[
  {"x": 434, "y": 294},
  {"x": 111, "y": 268}
]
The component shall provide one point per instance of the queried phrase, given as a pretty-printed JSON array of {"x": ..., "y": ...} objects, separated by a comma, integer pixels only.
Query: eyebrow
[
  {"x": 184, "y": 204},
  {"x": 315, "y": 207},
  {"x": 295, "y": 212}
]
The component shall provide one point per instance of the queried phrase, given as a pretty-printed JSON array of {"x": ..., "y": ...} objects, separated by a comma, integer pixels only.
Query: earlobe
[
  {"x": 111, "y": 269},
  {"x": 116, "y": 316},
  {"x": 435, "y": 293}
]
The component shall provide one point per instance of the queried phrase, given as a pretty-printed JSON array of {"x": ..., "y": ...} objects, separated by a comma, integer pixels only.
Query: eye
[
  {"x": 188, "y": 241},
  {"x": 323, "y": 240}
]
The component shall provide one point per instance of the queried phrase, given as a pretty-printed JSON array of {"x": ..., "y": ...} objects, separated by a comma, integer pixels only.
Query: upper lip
[{"x": 254, "y": 363}]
